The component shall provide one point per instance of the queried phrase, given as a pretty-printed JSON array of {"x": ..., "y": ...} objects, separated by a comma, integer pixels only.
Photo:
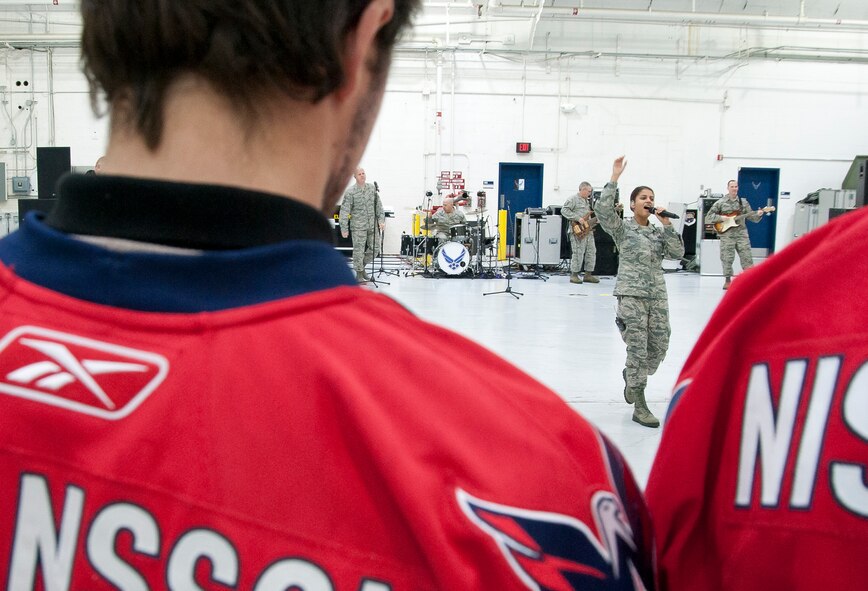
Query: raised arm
[{"x": 605, "y": 209}]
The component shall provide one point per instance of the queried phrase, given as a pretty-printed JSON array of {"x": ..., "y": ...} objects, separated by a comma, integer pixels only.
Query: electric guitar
[
  {"x": 732, "y": 219},
  {"x": 584, "y": 225}
]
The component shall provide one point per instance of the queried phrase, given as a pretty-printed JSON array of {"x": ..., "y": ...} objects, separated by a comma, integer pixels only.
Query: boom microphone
[{"x": 662, "y": 214}]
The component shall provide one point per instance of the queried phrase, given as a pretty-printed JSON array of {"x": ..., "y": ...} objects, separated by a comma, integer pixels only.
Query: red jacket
[{"x": 760, "y": 480}]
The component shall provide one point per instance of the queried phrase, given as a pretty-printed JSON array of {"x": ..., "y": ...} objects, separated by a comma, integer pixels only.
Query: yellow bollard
[{"x": 501, "y": 228}]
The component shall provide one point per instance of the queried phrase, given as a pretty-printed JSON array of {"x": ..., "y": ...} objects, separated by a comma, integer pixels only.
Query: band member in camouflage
[
  {"x": 584, "y": 249},
  {"x": 446, "y": 217},
  {"x": 362, "y": 211},
  {"x": 643, "y": 306},
  {"x": 735, "y": 239}
]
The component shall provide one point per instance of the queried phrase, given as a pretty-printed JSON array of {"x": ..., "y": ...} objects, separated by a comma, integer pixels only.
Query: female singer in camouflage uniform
[{"x": 643, "y": 306}]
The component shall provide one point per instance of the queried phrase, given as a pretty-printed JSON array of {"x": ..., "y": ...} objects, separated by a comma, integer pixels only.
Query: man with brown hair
[{"x": 194, "y": 392}]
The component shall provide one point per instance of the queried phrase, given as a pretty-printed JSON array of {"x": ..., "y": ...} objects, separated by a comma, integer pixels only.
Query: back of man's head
[{"x": 133, "y": 51}]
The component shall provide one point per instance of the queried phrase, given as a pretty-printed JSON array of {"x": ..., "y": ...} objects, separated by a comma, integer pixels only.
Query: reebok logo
[{"x": 76, "y": 373}]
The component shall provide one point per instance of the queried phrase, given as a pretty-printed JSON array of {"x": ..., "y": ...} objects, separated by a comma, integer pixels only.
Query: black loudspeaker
[
  {"x": 51, "y": 164},
  {"x": 607, "y": 253},
  {"x": 25, "y": 206},
  {"x": 862, "y": 184},
  {"x": 688, "y": 234},
  {"x": 566, "y": 243}
]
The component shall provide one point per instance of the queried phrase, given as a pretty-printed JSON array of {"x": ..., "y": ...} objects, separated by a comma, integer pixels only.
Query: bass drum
[{"x": 452, "y": 258}]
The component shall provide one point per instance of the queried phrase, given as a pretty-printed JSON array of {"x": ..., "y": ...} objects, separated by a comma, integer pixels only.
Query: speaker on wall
[{"x": 51, "y": 164}]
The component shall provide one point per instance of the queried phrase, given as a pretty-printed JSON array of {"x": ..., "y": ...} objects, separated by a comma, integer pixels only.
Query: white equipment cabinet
[{"x": 549, "y": 243}]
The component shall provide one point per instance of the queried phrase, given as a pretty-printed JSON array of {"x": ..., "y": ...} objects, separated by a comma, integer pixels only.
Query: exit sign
[{"x": 522, "y": 147}]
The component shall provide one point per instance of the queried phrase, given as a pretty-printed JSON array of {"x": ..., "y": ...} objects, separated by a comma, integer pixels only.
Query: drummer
[{"x": 446, "y": 218}]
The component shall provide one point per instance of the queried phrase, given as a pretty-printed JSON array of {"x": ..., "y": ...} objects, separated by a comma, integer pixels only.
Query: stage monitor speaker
[{"x": 51, "y": 164}]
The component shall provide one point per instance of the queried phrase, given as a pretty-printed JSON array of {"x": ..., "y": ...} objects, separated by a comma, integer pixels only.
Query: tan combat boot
[
  {"x": 641, "y": 414},
  {"x": 727, "y": 283},
  {"x": 628, "y": 394},
  {"x": 574, "y": 278},
  {"x": 590, "y": 278}
]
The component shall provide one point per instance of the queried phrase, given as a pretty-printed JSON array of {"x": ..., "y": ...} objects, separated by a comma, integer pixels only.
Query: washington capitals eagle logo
[{"x": 553, "y": 552}]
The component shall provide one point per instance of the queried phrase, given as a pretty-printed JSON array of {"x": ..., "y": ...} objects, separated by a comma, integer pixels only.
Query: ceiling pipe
[
  {"x": 782, "y": 53},
  {"x": 29, "y": 40},
  {"x": 666, "y": 17}
]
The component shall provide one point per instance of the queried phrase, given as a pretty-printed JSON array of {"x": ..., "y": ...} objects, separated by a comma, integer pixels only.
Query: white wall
[
  {"x": 808, "y": 120},
  {"x": 671, "y": 120}
]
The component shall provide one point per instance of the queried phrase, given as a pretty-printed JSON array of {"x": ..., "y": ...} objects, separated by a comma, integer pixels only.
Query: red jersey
[
  {"x": 310, "y": 442},
  {"x": 760, "y": 480}
]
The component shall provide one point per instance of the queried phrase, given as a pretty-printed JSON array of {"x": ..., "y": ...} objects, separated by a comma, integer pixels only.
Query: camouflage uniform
[
  {"x": 584, "y": 249},
  {"x": 443, "y": 221},
  {"x": 735, "y": 239},
  {"x": 643, "y": 307},
  {"x": 357, "y": 215}
]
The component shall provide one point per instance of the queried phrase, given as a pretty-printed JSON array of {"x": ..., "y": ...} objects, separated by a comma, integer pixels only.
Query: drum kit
[{"x": 464, "y": 251}]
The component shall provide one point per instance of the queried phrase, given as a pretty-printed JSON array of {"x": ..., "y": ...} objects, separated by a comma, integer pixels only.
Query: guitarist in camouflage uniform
[
  {"x": 577, "y": 209},
  {"x": 735, "y": 239},
  {"x": 643, "y": 305}
]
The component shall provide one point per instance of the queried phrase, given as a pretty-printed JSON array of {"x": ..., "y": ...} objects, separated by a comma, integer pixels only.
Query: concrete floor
[{"x": 565, "y": 336}]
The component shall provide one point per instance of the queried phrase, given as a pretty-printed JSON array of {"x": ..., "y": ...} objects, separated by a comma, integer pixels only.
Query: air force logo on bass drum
[{"x": 76, "y": 373}]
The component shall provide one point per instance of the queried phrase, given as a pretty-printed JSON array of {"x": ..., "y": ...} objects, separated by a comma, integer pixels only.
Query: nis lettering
[
  {"x": 38, "y": 548},
  {"x": 768, "y": 433}
]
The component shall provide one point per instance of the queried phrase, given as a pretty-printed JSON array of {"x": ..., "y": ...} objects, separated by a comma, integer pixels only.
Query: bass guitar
[
  {"x": 584, "y": 225},
  {"x": 732, "y": 220}
]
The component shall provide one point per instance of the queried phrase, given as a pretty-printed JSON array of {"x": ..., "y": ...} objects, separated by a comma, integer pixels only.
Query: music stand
[
  {"x": 382, "y": 270},
  {"x": 509, "y": 290}
]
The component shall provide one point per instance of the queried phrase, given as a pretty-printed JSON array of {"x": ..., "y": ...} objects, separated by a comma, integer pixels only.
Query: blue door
[
  {"x": 520, "y": 187},
  {"x": 760, "y": 187}
]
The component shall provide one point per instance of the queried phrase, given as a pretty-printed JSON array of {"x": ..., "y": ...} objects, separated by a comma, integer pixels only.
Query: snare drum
[{"x": 452, "y": 258}]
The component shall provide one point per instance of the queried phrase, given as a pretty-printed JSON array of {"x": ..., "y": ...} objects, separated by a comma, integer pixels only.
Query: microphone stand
[
  {"x": 382, "y": 270},
  {"x": 373, "y": 280},
  {"x": 426, "y": 239},
  {"x": 515, "y": 294}
]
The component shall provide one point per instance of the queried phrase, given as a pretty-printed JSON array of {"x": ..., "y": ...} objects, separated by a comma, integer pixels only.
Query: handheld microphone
[
  {"x": 376, "y": 187},
  {"x": 662, "y": 214}
]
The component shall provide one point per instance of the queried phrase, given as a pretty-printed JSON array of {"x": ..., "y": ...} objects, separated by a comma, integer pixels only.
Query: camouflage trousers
[
  {"x": 366, "y": 245},
  {"x": 644, "y": 326},
  {"x": 583, "y": 250},
  {"x": 730, "y": 243}
]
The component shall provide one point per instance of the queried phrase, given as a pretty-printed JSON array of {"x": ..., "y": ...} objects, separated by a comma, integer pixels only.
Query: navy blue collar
[
  {"x": 211, "y": 217},
  {"x": 284, "y": 250}
]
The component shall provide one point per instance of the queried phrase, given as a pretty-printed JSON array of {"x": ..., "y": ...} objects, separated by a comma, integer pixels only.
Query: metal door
[
  {"x": 759, "y": 186},
  {"x": 520, "y": 187}
]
